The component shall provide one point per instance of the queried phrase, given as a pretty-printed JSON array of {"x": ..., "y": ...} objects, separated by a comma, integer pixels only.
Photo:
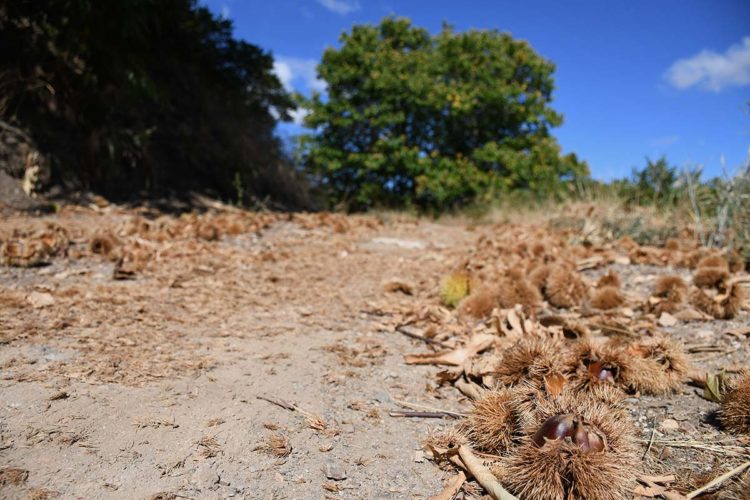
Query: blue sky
[{"x": 633, "y": 79}]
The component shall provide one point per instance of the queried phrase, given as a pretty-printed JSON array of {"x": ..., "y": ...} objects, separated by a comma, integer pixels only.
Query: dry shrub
[
  {"x": 608, "y": 297},
  {"x": 207, "y": 231},
  {"x": 565, "y": 288},
  {"x": 163, "y": 495},
  {"x": 538, "y": 249},
  {"x": 691, "y": 259}
]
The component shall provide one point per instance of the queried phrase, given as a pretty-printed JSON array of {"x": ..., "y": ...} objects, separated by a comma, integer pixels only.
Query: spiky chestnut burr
[
  {"x": 735, "y": 406},
  {"x": 575, "y": 446}
]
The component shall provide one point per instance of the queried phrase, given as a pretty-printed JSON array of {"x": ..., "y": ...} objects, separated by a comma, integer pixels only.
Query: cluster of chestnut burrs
[{"x": 552, "y": 419}]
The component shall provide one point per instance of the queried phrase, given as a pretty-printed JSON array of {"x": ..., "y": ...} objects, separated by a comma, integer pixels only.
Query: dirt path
[
  {"x": 134, "y": 348},
  {"x": 128, "y": 389}
]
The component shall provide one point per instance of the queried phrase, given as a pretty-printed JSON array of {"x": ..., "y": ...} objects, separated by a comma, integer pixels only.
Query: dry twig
[
  {"x": 717, "y": 481},
  {"x": 483, "y": 476}
]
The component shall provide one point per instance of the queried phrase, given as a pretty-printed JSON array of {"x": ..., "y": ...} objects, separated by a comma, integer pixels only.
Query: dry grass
[
  {"x": 208, "y": 447},
  {"x": 13, "y": 476},
  {"x": 275, "y": 444}
]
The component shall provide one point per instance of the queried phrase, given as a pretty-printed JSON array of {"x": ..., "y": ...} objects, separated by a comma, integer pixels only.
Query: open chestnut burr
[{"x": 569, "y": 426}]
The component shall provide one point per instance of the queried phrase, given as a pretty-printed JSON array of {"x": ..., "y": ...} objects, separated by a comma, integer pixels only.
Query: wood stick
[
  {"x": 283, "y": 404},
  {"x": 415, "y": 406},
  {"x": 420, "y": 414},
  {"x": 451, "y": 488},
  {"x": 483, "y": 476},
  {"x": 718, "y": 480},
  {"x": 402, "y": 329}
]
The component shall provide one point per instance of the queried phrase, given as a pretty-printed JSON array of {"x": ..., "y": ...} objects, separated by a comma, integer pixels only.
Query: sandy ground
[
  {"x": 127, "y": 389},
  {"x": 150, "y": 387}
]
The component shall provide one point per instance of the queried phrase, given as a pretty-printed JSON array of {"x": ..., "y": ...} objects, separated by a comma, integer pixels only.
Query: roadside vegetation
[{"x": 453, "y": 122}]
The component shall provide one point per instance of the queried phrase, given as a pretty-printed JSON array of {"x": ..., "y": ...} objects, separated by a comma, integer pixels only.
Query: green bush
[{"x": 433, "y": 122}]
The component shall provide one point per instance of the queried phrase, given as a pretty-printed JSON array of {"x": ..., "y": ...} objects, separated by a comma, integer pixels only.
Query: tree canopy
[
  {"x": 433, "y": 121},
  {"x": 152, "y": 95}
]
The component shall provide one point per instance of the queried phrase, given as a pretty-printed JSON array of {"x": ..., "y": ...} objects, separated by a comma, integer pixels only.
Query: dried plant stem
[
  {"x": 717, "y": 481},
  {"x": 289, "y": 406},
  {"x": 402, "y": 329},
  {"x": 696, "y": 209},
  {"x": 415, "y": 406},
  {"x": 483, "y": 476},
  {"x": 650, "y": 442},
  {"x": 717, "y": 448},
  {"x": 613, "y": 329},
  {"x": 420, "y": 414}
]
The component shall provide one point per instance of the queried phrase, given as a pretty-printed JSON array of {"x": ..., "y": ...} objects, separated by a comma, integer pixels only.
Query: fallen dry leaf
[
  {"x": 690, "y": 314},
  {"x": 456, "y": 357},
  {"x": 652, "y": 490},
  {"x": 739, "y": 332}
]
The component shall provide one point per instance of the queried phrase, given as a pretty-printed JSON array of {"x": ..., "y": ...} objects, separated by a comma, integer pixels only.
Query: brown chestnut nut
[
  {"x": 586, "y": 439},
  {"x": 554, "y": 428},
  {"x": 603, "y": 371},
  {"x": 568, "y": 426}
]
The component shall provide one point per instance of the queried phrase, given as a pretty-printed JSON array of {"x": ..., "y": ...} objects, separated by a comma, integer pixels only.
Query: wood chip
[
  {"x": 39, "y": 300},
  {"x": 667, "y": 319},
  {"x": 451, "y": 489}
]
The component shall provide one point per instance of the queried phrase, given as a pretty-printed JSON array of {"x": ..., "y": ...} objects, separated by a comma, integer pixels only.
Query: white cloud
[
  {"x": 298, "y": 74},
  {"x": 665, "y": 141},
  {"x": 712, "y": 71},
  {"x": 340, "y": 6},
  {"x": 298, "y": 115},
  {"x": 225, "y": 11}
]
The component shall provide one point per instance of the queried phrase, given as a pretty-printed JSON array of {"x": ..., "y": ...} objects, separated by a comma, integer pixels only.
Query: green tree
[
  {"x": 433, "y": 121},
  {"x": 656, "y": 184},
  {"x": 130, "y": 95}
]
